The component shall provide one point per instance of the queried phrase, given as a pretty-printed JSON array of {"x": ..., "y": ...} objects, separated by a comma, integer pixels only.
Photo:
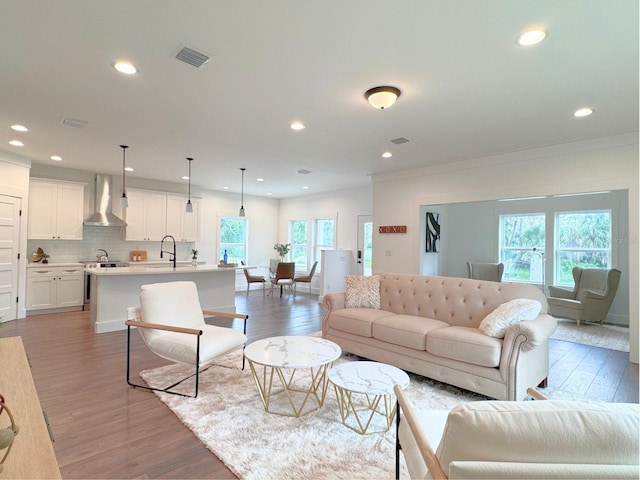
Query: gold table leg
[
  {"x": 359, "y": 417},
  {"x": 272, "y": 381}
]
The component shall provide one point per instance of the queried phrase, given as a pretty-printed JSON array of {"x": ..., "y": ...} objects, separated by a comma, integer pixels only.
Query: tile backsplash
[{"x": 108, "y": 238}]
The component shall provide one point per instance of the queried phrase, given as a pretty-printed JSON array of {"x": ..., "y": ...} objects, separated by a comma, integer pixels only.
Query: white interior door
[
  {"x": 364, "y": 255},
  {"x": 9, "y": 239}
]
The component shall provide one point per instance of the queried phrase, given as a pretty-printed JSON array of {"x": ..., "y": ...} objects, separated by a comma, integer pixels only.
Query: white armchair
[
  {"x": 171, "y": 323},
  {"x": 591, "y": 297}
]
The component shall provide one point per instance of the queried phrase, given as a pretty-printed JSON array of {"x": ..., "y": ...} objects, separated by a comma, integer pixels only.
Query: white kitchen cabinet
[
  {"x": 183, "y": 226},
  {"x": 146, "y": 216},
  {"x": 55, "y": 210},
  {"x": 54, "y": 287}
]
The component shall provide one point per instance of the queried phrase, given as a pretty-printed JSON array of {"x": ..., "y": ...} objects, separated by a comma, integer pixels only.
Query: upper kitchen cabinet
[
  {"x": 146, "y": 216},
  {"x": 55, "y": 210},
  {"x": 183, "y": 226}
]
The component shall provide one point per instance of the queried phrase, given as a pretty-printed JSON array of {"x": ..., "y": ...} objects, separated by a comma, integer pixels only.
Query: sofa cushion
[
  {"x": 358, "y": 321},
  {"x": 548, "y": 431},
  {"x": 362, "y": 292},
  {"x": 406, "y": 330},
  {"x": 496, "y": 323},
  {"x": 465, "y": 344}
]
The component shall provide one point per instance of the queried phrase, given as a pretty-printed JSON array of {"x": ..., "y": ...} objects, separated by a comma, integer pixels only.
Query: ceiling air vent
[
  {"x": 400, "y": 140},
  {"x": 192, "y": 56},
  {"x": 73, "y": 122},
  {"x": 303, "y": 172}
]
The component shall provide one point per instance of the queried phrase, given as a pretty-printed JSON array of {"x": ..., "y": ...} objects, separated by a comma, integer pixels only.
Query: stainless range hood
[{"x": 102, "y": 216}]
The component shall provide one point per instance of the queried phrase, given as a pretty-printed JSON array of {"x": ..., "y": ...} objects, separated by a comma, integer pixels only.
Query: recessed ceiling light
[
  {"x": 125, "y": 67},
  {"x": 297, "y": 126},
  {"x": 387, "y": 155},
  {"x": 305, "y": 188},
  {"x": 56, "y": 158},
  {"x": 185, "y": 178},
  {"x": 225, "y": 188},
  {"x": 531, "y": 37},
  {"x": 19, "y": 128},
  {"x": 269, "y": 193},
  {"x": 259, "y": 179},
  {"x": 129, "y": 169},
  {"x": 16, "y": 143},
  {"x": 583, "y": 112}
]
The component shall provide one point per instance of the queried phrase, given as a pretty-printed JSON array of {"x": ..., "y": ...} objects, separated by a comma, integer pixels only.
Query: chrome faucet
[
  {"x": 173, "y": 258},
  {"x": 103, "y": 258}
]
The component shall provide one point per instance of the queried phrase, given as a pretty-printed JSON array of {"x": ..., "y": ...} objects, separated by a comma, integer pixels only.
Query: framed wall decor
[{"x": 433, "y": 232}]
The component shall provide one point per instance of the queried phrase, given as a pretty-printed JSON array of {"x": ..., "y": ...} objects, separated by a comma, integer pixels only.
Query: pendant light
[
  {"x": 241, "y": 213},
  {"x": 189, "y": 207},
  {"x": 124, "y": 200}
]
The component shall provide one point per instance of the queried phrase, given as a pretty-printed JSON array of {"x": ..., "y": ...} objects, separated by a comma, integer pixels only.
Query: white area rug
[
  {"x": 228, "y": 417},
  {"x": 605, "y": 336}
]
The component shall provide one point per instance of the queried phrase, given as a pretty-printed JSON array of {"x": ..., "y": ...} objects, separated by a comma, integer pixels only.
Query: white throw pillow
[
  {"x": 362, "y": 292},
  {"x": 496, "y": 323}
]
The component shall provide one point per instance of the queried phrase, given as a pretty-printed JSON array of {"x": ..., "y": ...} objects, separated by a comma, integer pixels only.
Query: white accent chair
[
  {"x": 550, "y": 439},
  {"x": 171, "y": 323},
  {"x": 486, "y": 271},
  {"x": 591, "y": 297}
]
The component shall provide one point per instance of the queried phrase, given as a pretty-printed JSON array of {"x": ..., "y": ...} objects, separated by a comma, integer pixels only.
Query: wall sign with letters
[{"x": 392, "y": 229}]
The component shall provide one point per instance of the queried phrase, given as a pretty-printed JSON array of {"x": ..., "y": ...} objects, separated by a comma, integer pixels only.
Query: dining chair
[
  {"x": 284, "y": 276},
  {"x": 305, "y": 278},
  {"x": 253, "y": 279}
]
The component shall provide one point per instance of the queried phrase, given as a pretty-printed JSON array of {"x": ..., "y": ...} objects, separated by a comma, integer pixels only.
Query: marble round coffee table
[
  {"x": 291, "y": 372},
  {"x": 360, "y": 387}
]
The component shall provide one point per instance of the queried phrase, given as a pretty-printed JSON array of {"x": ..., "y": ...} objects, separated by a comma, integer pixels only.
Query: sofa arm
[
  {"x": 535, "y": 332},
  {"x": 334, "y": 301},
  {"x": 559, "y": 292}
]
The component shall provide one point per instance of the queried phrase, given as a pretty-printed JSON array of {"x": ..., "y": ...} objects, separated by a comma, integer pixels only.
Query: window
[
  {"x": 233, "y": 238},
  {"x": 324, "y": 237},
  {"x": 583, "y": 239},
  {"x": 522, "y": 243},
  {"x": 298, "y": 240}
]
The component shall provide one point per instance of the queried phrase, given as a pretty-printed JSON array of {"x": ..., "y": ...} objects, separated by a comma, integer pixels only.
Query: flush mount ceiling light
[
  {"x": 241, "y": 212},
  {"x": 531, "y": 37},
  {"x": 124, "y": 200},
  {"x": 127, "y": 68},
  {"x": 297, "y": 126},
  {"x": 387, "y": 155},
  {"x": 189, "y": 207},
  {"x": 56, "y": 158},
  {"x": 583, "y": 112},
  {"x": 19, "y": 128},
  {"x": 382, "y": 97}
]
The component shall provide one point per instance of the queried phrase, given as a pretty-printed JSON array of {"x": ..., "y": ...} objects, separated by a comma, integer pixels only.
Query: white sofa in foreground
[
  {"x": 547, "y": 439},
  {"x": 431, "y": 326}
]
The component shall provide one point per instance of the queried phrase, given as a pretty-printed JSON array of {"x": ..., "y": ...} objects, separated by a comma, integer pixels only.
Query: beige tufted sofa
[{"x": 429, "y": 326}]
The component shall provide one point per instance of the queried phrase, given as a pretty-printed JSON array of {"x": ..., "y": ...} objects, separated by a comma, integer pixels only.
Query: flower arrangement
[{"x": 282, "y": 249}]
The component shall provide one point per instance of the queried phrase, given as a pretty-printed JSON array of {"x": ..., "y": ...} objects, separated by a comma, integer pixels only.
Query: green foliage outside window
[{"x": 233, "y": 238}]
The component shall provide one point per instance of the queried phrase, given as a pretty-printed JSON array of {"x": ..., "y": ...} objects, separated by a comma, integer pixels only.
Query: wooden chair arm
[
  {"x": 428, "y": 455},
  {"x": 535, "y": 394},
  {"x": 168, "y": 328},
  {"x": 215, "y": 313}
]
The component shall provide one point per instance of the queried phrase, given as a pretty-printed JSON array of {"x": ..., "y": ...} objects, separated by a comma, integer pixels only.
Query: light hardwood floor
[{"x": 105, "y": 429}]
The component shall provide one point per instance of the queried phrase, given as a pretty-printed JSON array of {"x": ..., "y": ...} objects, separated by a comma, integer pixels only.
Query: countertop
[
  {"x": 158, "y": 270},
  {"x": 51, "y": 264}
]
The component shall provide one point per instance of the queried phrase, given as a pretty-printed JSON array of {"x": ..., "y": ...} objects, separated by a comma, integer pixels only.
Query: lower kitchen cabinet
[{"x": 50, "y": 287}]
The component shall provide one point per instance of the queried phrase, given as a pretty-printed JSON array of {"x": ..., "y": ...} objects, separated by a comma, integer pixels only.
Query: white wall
[{"x": 609, "y": 163}]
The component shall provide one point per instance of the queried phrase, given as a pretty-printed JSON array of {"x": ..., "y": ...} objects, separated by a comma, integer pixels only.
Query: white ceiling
[{"x": 468, "y": 90}]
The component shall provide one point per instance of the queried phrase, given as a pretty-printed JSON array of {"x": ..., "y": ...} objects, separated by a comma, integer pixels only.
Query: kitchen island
[{"x": 115, "y": 289}]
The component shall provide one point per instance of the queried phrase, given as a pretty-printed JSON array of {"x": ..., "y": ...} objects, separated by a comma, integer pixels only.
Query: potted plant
[
  {"x": 45, "y": 258},
  {"x": 194, "y": 257},
  {"x": 282, "y": 249}
]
